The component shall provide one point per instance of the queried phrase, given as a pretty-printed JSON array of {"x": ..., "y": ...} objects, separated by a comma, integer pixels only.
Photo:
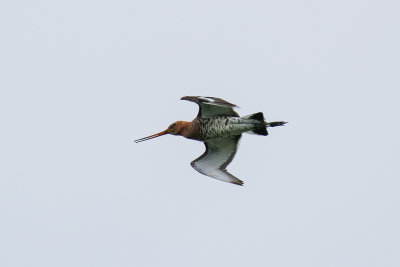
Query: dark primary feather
[{"x": 210, "y": 107}]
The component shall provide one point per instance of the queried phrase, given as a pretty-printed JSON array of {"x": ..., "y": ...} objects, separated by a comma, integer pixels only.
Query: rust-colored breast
[{"x": 191, "y": 130}]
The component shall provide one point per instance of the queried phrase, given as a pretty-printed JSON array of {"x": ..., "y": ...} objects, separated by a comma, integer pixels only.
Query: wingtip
[
  {"x": 187, "y": 97},
  {"x": 240, "y": 183}
]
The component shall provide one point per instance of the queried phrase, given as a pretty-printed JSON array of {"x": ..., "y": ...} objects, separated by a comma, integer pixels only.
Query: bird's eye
[{"x": 173, "y": 125}]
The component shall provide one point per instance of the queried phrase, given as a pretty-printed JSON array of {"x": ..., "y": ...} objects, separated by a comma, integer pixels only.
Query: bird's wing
[
  {"x": 210, "y": 107},
  {"x": 219, "y": 153}
]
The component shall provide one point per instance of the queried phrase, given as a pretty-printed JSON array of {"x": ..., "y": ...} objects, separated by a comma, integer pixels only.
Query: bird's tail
[
  {"x": 275, "y": 123},
  {"x": 261, "y": 128}
]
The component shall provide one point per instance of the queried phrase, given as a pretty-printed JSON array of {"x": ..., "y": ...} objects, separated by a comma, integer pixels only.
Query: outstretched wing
[
  {"x": 210, "y": 107},
  {"x": 219, "y": 153}
]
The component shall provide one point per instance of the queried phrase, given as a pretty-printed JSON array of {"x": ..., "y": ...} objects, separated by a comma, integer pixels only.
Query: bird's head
[{"x": 175, "y": 128}]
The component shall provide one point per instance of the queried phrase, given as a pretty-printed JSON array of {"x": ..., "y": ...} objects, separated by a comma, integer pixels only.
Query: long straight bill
[{"x": 151, "y": 136}]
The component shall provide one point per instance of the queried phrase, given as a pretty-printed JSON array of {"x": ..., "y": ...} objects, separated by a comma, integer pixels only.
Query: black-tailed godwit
[{"x": 220, "y": 128}]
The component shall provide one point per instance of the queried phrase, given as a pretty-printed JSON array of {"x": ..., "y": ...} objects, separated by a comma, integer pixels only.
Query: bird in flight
[{"x": 220, "y": 128}]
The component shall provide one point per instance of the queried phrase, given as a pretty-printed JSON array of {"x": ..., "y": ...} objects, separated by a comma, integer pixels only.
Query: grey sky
[{"x": 80, "y": 80}]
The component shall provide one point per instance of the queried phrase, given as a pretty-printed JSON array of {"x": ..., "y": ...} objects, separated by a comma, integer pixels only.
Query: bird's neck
[{"x": 186, "y": 130}]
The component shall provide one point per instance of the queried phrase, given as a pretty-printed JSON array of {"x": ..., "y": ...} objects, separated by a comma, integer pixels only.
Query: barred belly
[{"x": 213, "y": 128}]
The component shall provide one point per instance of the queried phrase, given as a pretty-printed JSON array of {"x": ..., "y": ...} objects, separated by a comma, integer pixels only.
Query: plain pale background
[{"x": 80, "y": 80}]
